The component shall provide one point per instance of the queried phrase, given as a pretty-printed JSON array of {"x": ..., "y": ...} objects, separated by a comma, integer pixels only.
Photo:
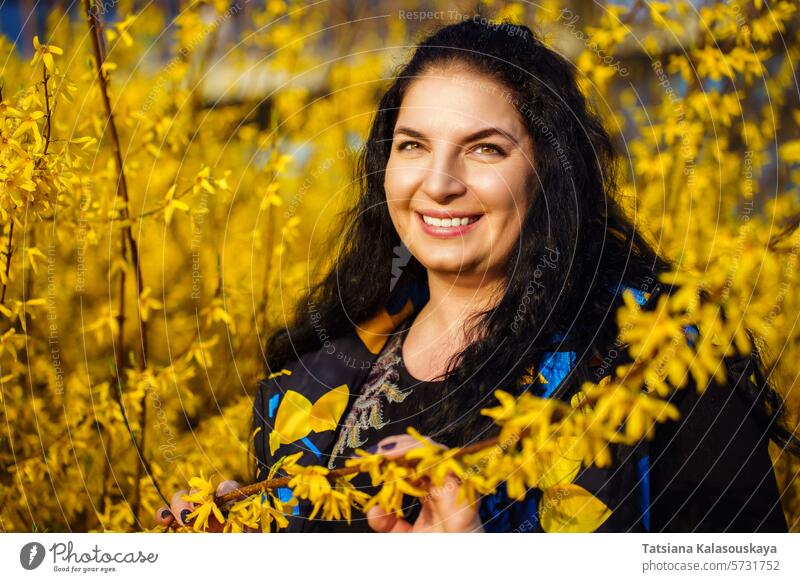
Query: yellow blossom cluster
[
  {"x": 542, "y": 444},
  {"x": 158, "y": 211}
]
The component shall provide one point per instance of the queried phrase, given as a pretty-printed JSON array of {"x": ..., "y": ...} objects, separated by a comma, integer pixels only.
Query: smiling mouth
[{"x": 453, "y": 222}]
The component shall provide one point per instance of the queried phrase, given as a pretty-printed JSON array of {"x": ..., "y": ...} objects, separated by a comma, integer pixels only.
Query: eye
[
  {"x": 402, "y": 146},
  {"x": 493, "y": 149}
]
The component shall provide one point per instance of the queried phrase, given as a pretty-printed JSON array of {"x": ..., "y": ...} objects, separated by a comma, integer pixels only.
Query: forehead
[{"x": 458, "y": 102}]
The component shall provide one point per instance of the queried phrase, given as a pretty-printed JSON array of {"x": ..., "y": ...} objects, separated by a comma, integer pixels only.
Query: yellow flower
[
  {"x": 396, "y": 483},
  {"x": 215, "y": 311},
  {"x": 146, "y": 303},
  {"x": 339, "y": 501},
  {"x": 279, "y": 161},
  {"x": 45, "y": 52},
  {"x": 308, "y": 482},
  {"x": 505, "y": 467},
  {"x": 203, "y": 495},
  {"x": 200, "y": 352},
  {"x": 6, "y": 342},
  {"x": 20, "y": 310},
  {"x": 561, "y": 463},
  {"x": 202, "y": 181},
  {"x": 334, "y": 502},
  {"x": 271, "y": 196},
  {"x": 367, "y": 463},
  {"x": 33, "y": 255},
  {"x": 121, "y": 30},
  {"x": 29, "y": 122},
  {"x": 713, "y": 63},
  {"x": 172, "y": 204},
  {"x": 201, "y": 514},
  {"x": 257, "y": 512}
]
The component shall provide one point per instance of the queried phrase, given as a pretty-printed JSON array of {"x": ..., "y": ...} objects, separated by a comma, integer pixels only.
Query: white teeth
[{"x": 449, "y": 222}]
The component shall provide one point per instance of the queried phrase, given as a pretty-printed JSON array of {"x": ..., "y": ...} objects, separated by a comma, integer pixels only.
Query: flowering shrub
[{"x": 132, "y": 190}]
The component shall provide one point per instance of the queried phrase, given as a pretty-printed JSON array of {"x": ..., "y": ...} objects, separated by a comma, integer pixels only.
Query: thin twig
[
  {"x": 249, "y": 490},
  {"x": 8, "y": 261},
  {"x": 95, "y": 27},
  {"x": 47, "y": 131},
  {"x": 633, "y": 12},
  {"x": 48, "y": 113},
  {"x": 10, "y": 235},
  {"x": 792, "y": 224}
]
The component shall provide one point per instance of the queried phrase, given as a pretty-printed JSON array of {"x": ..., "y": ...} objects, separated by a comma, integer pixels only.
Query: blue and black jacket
[{"x": 709, "y": 471}]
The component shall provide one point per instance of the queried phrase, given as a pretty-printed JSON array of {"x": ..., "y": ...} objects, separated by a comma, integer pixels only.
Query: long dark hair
[{"x": 576, "y": 245}]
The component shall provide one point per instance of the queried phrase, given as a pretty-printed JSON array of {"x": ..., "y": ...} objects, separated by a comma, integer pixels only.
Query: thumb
[{"x": 383, "y": 522}]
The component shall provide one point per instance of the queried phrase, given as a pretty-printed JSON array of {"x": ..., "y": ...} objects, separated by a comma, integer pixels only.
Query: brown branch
[
  {"x": 95, "y": 28},
  {"x": 792, "y": 224},
  {"x": 152, "y": 211},
  {"x": 122, "y": 183},
  {"x": 48, "y": 113},
  {"x": 47, "y": 131},
  {"x": 249, "y": 490},
  {"x": 634, "y": 11},
  {"x": 558, "y": 415},
  {"x": 8, "y": 261}
]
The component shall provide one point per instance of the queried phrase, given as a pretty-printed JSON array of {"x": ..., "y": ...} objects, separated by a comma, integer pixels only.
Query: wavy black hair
[{"x": 573, "y": 214}]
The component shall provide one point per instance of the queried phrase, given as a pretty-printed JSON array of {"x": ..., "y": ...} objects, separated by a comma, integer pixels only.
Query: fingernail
[
  {"x": 185, "y": 516},
  {"x": 389, "y": 446},
  {"x": 373, "y": 449},
  {"x": 165, "y": 513}
]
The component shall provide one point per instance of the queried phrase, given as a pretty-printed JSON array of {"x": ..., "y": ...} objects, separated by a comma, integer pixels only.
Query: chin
[{"x": 450, "y": 266}]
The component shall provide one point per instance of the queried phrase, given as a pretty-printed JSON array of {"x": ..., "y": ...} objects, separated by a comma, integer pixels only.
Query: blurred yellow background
[{"x": 144, "y": 302}]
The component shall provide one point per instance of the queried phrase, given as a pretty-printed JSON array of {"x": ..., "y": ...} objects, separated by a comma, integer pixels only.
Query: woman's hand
[
  {"x": 441, "y": 511},
  {"x": 179, "y": 509}
]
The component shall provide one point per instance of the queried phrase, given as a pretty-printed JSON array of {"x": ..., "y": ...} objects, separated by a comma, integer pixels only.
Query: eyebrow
[{"x": 480, "y": 134}]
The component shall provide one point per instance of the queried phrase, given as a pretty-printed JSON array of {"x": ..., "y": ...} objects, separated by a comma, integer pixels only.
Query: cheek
[
  {"x": 399, "y": 185},
  {"x": 400, "y": 180},
  {"x": 395, "y": 215},
  {"x": 507, "y": 202}
]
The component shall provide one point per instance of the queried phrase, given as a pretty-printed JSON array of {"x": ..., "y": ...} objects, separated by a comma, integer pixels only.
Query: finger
[
  {"x": 395, "y": 446},
  {"x": 446, "y": 511},
  {"x": 426, "y": 519},
  {"x": 164, "y": 515},
  {"x": 181, "y": 508},
  {"x": 226, "y": 487},
  {"x": 444, "y": 495},
  {"x": 383, "y": 522}
]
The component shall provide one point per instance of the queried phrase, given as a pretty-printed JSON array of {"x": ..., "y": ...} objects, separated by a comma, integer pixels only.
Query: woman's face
[{"x": 460, "y": 174}]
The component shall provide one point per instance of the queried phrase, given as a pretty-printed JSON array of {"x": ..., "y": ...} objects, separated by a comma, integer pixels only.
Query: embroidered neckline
[{"x": 380, "y": 388}]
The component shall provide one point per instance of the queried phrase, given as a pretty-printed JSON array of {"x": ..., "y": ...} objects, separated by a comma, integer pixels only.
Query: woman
[{"x": 486, "y": 245}]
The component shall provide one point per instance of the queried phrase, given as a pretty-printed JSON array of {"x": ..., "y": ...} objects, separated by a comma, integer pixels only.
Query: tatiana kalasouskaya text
[{"x": 709, "y": 549}]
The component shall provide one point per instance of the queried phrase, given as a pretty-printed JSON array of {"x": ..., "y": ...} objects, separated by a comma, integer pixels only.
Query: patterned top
[
  {"x": 390, "y": 401},
  {"x": 368, "y": 413}
]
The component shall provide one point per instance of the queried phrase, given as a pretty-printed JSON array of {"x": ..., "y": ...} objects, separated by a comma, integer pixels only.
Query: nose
[{"x": 443, "y": 175}]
